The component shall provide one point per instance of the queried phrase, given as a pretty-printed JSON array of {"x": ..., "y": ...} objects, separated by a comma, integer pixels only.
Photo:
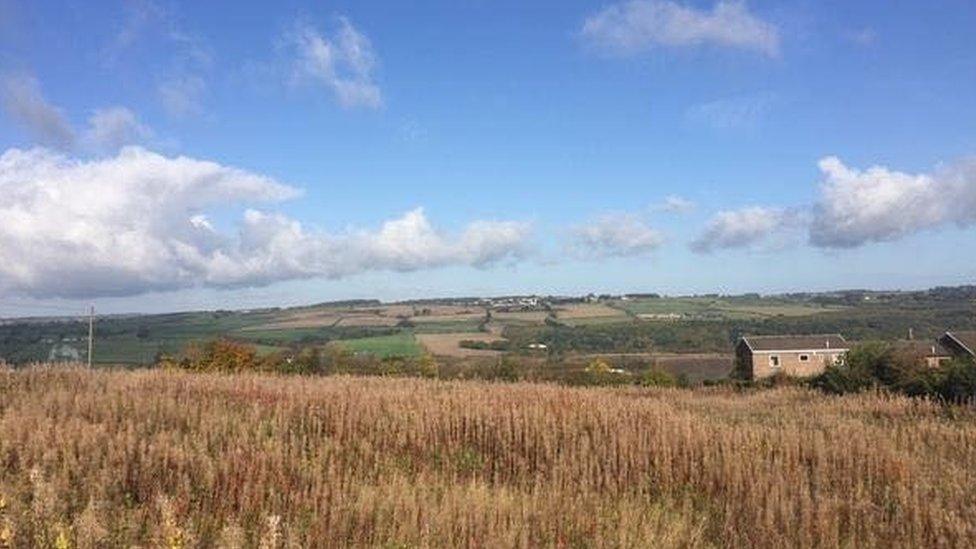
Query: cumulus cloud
[
  {"x": 108, "y": 128},
  {"x": 854, "y": 208},
  {"x": 344, "y": 63},
  {"x": 138, "y": 222},
  {"x": 639, "y": 25},
  {"x": 114, "y": 127},
  {"x": 616, "y": 235},
  {"x": 878, "y": 204},
  {"x": 675, "y": 204},
  {"x": 24, "y": 102},
  {"x": 748, "y": 227}
]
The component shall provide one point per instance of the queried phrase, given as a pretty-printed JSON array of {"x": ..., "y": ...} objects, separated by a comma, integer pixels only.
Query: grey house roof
[
  {"x": 965, "y": 339},
  {"x": 823, "y": 342},
  {"x": 924, "y": 348}
]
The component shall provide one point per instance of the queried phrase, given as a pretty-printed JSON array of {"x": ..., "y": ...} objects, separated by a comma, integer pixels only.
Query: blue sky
[{"x": 554, "y": 147}]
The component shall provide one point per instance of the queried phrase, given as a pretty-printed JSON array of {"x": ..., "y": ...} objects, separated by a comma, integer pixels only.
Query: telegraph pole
[{"x": 91, "y": 334}]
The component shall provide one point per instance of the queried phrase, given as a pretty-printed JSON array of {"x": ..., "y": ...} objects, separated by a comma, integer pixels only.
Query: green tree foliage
[
  {"x": 879, "y": 365},
  {"x": 655, "y": 377}
]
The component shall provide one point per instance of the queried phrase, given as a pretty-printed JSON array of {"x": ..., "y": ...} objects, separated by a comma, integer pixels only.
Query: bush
[
  {"x": 877, "y": 365},
  {"x": 497, "y": 345},
  {"x": 220, "y": 355},
  {"x": 654, "y": 377},
  {"x": 958, "y": 380},
  {"x": 507, "y": 369}
]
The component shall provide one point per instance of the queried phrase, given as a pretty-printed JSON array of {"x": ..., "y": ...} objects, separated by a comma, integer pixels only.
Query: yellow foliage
[{"x": 598, "y": 366}]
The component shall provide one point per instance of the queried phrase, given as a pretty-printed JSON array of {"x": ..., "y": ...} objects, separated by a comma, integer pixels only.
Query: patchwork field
[
  {"x": 644, "y": 324},
  {"x": 402, "y": 344},
  {"x": 449, "y": 344},
  {"x": 522, "y": 317},
  {"x": 690, "y": 308},
  {"x": 165, "y": 459},
  {"x": 590, "y": 313}
]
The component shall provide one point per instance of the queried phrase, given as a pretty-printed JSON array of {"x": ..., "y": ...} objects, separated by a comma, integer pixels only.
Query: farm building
[
  {"x": 962, "y": 344},
  {"x": 934, "y": 353},
  {"x": 804, "y": 355}
]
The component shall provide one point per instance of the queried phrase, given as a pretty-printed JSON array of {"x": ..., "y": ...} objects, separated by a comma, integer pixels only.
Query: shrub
[
  {"x": 507, "y": 369},
  {"x": 958, "y": 380},
  {"x": 598, "y": 366},
  {"x": 654, "y": 377},
  {"x": 428, "y": 366},
  {"x": 220, "y": 355},
  {"x": 879, "y": 365}
]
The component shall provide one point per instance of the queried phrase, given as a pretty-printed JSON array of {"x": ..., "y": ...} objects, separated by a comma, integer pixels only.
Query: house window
[
  {"x": 774, "y": 361},
  {"x": 804, "y": 358}
]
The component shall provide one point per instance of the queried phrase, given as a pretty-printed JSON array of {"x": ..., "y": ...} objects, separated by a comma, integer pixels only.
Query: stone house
[{"x": 795, "y": 355}]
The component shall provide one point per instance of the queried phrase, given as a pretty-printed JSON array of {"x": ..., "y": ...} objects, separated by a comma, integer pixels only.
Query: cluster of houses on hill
[{"x": 806, "y": 355}]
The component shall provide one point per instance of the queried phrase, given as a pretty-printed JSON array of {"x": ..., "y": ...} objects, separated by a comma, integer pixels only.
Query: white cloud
[
  {"x": 108, "y": 129},
  {"x": 112, "y": 128},
  {"x": 639, "y": 25},
  {"x": 748, "y": 227},
  {"x": 616, "y": 235},
  {"x": 675, "y": 204},
  {"x": 24, "y": 102},
  {"x": 855, "y": 207},
  {"x": 878, "y": 204},
  {"x": 138, "y": 222},
  {"x": 344, "y": 63}
]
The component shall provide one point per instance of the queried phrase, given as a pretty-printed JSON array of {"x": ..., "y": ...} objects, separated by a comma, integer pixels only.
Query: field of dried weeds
[{"x": 107, "y": 459}]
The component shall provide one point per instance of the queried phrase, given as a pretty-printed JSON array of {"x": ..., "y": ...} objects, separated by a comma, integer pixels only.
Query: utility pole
[{"x": 91, "y": 334}]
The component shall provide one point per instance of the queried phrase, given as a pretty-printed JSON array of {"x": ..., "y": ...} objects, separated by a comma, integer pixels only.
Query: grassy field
[
  {"x": 720, "y": 308},
  {"x": 669, "y": 324},
  {"x": 449, "y": 344},
  {"x": 402, "y": 344},
  {"x": 155, "y": 458}
]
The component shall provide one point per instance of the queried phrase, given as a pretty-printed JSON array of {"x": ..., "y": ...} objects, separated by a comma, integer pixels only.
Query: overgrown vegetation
[
  {"x": 172, "y": 459},
  {"x": 880, "y": 365}
]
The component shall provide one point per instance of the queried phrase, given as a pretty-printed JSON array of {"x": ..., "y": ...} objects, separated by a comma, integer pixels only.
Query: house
[
  {"x": 796, "y": 355},
  {"x": 934, "y": 353},
  {"x": 961, "y": 344}
]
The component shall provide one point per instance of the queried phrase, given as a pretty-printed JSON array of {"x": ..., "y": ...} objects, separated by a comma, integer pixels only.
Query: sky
[{"x": 162, "y": 155}]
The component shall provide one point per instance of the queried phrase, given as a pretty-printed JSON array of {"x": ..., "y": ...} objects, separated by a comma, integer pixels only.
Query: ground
[
  {"x": 647, "y": 328},
  {"x": 402, "y": 344},
  {"x": 449, "y": 344},
  {"x": 157, "y": 458}
]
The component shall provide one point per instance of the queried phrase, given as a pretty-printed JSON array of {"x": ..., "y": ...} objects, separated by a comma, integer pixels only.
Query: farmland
[
  {"x": 720, "y": 308},
  {"x": 449, "y": 344},
  {"x": 401, "y": 344},
  {"x": 157, "y": 458},
  {"x": 632, "y": 332}
]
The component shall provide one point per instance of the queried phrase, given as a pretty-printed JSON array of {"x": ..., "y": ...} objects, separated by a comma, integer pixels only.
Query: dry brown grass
[
  {"x": 174, "y": 459},
  {"x": 450, "y": 344},
  {"x": 528, "y": 317},
  {"x": 589, "y": 310}
]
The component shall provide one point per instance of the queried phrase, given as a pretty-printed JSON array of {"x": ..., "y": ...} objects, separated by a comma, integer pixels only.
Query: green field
[
  {"x": 403, "y": 345},
  {"x": 715, "y": 308},
  {"x": 702, "y": 324}
]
